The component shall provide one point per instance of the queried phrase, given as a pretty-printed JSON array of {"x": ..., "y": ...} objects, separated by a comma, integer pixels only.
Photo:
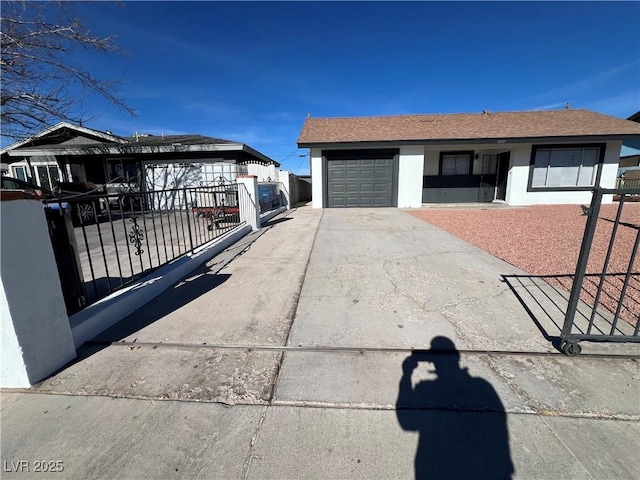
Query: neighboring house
[
  {"x": 629, "y": 156},
  {"x": 71, "y": 153},
  {"x": 633, "y": 143},
  {"x": 521, "y": 158}
]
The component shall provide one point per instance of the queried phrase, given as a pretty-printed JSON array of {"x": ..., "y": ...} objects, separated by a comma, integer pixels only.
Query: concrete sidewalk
[{"x": 290, "y": 356}]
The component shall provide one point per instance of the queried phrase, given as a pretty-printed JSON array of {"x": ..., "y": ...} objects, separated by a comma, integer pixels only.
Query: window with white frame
[
  {"x": 20, "y": 173},
  {"x": 571, "y": 167},
  {"x": 455, "y": 163},
  {"x": 48, "y": 175}
]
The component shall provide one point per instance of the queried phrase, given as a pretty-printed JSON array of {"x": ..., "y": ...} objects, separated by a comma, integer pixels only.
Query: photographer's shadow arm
[{"x": 406, "y": 397}]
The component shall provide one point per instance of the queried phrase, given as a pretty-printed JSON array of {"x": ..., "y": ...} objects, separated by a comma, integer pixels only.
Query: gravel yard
[{"x": 545, "y": 240}]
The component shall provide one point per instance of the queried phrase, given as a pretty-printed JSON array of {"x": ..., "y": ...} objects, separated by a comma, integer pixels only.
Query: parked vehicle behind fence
[{"x": 83, "y": 210}]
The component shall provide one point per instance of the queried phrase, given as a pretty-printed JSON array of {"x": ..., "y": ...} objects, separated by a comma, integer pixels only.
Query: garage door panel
[
  {"x": 360, "y": 183},
  {"x": 337, "y": 175}
]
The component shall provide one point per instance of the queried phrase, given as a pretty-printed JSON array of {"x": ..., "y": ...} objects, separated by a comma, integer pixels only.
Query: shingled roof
[
  {"x": 178, "y": 140},
  {"x": 84, "y": 141},
  {"x": 464, "y": 126}
]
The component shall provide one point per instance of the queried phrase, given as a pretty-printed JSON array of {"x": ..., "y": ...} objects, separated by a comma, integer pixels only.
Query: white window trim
[{"x": 595, "y": 176}]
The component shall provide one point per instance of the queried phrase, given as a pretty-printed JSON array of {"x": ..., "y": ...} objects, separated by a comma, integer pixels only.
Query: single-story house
[
  {"x": 521, "y": 158},
  {"x": 72, "y": 153}
]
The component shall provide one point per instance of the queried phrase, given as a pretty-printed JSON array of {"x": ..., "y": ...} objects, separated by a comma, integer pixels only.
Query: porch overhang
[{"x": 133, "y": 149}]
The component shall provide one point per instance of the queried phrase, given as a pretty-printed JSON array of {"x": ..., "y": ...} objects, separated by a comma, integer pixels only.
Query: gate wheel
[{"x": 571, "y": 348}]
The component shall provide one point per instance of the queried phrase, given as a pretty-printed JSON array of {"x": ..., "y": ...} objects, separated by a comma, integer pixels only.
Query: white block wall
[
  {"x": 317, "y": 180},
  {"x": 248, "y": 200},
  {"x": 410, "y": 167},
  {"x": 35, "y": 336},
  {"x": 264, "y": 173}
]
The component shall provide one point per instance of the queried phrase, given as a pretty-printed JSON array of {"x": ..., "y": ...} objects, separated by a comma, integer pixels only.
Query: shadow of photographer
[{"x": 460, "y": 419}]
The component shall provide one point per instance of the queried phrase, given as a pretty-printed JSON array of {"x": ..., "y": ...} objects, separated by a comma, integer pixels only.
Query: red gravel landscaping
[{"x": 545, "y": 240}]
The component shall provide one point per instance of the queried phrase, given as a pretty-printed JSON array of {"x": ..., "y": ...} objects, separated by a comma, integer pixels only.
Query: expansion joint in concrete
[{"x": 364, "y": 349}]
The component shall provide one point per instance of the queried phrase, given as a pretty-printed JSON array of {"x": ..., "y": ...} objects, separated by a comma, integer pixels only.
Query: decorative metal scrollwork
[{"x": 136, "y": 236}]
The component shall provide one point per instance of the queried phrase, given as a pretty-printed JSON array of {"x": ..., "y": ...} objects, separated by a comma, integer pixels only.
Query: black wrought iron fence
[
  {"x": 120, "y": 236},
  {"x": 604, "y": 304}
]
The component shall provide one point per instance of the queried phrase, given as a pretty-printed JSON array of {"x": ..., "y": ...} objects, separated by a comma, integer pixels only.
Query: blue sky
[{"x": 252, "y": 71}]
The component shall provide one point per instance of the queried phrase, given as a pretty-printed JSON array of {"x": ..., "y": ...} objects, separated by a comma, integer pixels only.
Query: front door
[
  {"x": 503, "y": 172},
  {"x": 487, "y": 190}
]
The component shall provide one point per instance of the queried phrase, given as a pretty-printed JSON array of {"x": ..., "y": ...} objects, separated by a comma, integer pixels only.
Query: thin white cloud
[
  {"x": 167, "y": 42},
  {"x": 572, "y": 90},
  {"x": 127, "y": 127},
  {"x": 135, "y": 91},
  {"x": 550, "y": 106},
  {"x": 210, "y": 109},
  {"x": 279, "y": 116},
  {"x": 622, "y": 105}
]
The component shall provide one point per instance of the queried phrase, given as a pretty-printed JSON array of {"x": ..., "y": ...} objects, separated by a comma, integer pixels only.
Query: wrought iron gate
[{"x": 604, "y": 305}]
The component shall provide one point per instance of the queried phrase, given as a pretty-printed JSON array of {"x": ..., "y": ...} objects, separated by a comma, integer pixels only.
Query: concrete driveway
[{"x": 293, "y": 355}]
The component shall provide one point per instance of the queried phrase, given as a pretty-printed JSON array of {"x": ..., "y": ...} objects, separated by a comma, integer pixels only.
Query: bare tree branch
[{"x": 39, "y": 80}]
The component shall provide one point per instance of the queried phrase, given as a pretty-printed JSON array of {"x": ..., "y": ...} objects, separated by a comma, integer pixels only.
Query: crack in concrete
[
  {"x": 515, "y": 388},
  {"x": 246, "y": 467},
  {"x": 553, "y": 432}
]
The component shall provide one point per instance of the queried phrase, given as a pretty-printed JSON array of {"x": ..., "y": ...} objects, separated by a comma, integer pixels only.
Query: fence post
[
  {"x": 248, "y": 200},
  {"x": 36, "y": 335},
  {"x": 187, "y": 207},
  {"x": 583, "y": 258}
]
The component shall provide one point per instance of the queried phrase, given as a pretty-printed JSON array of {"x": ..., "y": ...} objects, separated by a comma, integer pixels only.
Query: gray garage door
[{"x": 360, "y": 183}]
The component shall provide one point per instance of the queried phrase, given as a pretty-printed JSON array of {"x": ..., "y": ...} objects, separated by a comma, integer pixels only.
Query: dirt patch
[{"x": 545, "y": 240}]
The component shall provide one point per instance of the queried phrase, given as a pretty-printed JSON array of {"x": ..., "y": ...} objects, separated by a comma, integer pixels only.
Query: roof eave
[
  {"x": 58, "y": 126},
  {"x": 134, "y": 148},
  {"x": 259, "y": 155},
  {"x": 459, "y": 141},
  {"x": 126, "y": 149}
]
